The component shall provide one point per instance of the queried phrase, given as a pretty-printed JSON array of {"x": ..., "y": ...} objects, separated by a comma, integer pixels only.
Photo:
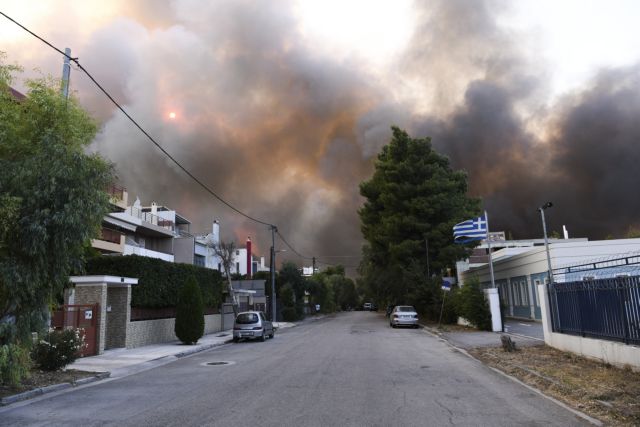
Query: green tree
[
  {"x": 413, "y": 196},
  {"x": 471, "y": 304},
  {"x": 53, "y": 199},
  {"x": 189, "y": 326}
]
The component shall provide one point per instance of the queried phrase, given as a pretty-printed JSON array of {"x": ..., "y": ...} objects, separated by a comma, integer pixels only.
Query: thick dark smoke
[{"x": 286, "y": 134}]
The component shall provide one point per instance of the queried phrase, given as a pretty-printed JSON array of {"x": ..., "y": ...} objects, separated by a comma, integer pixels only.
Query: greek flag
[{"x": 470, "y": 230}]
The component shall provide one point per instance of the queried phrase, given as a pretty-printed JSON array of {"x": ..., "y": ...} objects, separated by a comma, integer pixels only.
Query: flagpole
[{"x": 493, "y": 282}]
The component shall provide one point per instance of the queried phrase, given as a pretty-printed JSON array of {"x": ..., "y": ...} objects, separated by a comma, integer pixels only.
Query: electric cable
[{"x": 135, "y": 123}]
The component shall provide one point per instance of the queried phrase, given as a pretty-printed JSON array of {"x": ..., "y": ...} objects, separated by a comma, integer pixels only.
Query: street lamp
[{"x": 546, "y": 241}]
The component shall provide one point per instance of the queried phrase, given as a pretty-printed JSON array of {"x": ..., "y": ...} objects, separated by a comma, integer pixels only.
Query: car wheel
[
  {"x": 273, "y": 334},
  {"x": 263, "y": 337}
]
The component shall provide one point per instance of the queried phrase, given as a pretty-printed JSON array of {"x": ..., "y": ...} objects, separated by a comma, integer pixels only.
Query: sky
[{"x": 281, "y": 107}]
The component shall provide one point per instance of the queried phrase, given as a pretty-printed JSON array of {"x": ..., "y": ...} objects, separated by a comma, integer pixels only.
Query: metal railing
[
  {"x": 604, "y": 308},
  {"x": 151, "y": 218}
]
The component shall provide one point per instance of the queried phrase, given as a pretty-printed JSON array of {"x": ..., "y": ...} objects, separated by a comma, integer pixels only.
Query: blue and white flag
[{"x": 470, "y": 230}]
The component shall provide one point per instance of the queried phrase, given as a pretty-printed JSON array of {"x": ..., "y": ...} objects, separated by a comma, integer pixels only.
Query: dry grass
[
  {"x": 600, "y": 390},
  {"x": 42, "y": 379}
]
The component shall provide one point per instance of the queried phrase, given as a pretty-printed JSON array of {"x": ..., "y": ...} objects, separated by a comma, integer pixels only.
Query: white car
[
  {"x": 252, "y": 325},
  {"x": 403, "y": 315}
]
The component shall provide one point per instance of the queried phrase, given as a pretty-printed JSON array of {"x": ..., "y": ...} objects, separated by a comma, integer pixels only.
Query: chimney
[
  {"x": 215, "y": 234},
  {"x": 249, "y": 263}
]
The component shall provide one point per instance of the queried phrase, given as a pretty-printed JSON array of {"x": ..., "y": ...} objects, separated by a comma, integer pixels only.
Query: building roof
[{"x": 17, "y": 95}]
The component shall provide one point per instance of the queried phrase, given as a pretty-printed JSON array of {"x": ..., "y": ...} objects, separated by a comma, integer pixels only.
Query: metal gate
[{"x": 79, "y": 316}]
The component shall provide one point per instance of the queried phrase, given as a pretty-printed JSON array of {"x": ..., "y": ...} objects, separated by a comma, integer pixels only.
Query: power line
[
  {"x": 132, "y": 120},
  {"x": 150, "y": 138}
]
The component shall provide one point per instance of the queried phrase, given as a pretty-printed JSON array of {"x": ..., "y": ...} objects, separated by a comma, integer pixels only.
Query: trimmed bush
[
  {"x": 189, "y": 313},
  {"x": 158, "y": 280},
  {"x": 60, "y": 348},
  {"x": 14, "y": 364},
  {"x": 473, "y": 306}
]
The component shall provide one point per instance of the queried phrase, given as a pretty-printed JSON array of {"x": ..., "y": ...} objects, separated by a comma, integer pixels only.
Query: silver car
[
  {"x": 403, "y": 315},
  {"x": 252, "y": 325}
]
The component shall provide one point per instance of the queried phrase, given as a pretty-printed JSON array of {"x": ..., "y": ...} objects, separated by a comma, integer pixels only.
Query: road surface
[{"x": 351, "y": 369}]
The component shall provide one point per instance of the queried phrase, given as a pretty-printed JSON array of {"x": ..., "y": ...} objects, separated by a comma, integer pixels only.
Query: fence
[{"x": 604, "y": 308}]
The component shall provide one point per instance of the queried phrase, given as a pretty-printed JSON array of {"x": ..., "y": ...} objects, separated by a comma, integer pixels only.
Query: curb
[
  {"x": 576, "y": 412},
  {"x": 51, "y": 388},
  {"x": 202, "y": 348}
]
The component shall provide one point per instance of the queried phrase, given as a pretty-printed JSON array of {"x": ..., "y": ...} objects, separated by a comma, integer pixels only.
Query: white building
[{"x": 517, "y": 274}]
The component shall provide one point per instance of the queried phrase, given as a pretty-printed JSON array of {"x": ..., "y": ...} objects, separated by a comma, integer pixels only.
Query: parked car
[
  {"x": 403, "y": 315},
  {"x": 367, "y": 306},
  {"x": 252, "y": 325}
]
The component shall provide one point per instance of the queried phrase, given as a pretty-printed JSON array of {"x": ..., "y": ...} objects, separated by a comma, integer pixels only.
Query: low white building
[{"x": 517, "y": 274}]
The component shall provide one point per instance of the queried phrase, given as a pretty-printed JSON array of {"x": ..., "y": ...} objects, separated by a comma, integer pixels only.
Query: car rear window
[
  {"x": 245, "y": 318},
  {"x": 406, "y": 308}
]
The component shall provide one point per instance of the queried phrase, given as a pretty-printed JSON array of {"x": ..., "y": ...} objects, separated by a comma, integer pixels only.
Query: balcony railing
[{"x": 151, "y": 218}]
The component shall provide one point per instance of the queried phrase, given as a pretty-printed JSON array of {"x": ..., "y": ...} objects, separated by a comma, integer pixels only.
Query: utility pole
[
  {"x": 313, "y": 271},
  {"x": 66, "y": 72},
  {"x": 273, "y": 272}
]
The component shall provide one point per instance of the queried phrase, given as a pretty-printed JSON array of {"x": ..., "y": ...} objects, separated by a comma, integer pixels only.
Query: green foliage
[
  {"x": 58, "y": 349},
  {"x": 189, "y": 326},
  {"x": 14, "y": 364},
  {"x": 472, "y": 305},
  {"x": 289, "y": 314},
  {"x": 52, "y": 195},
  {"x": 158, "y": 280},
  {"x": 413, "y": 196}
]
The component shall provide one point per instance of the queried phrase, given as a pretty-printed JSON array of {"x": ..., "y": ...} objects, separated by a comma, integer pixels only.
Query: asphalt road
[{"x": 347, "y": 370}]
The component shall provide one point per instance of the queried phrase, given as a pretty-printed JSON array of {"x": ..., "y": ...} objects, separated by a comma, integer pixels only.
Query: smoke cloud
[{"x": 286, "y": 134}]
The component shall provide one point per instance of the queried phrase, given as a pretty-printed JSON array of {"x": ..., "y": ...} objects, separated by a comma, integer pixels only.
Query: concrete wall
[
  {"x": 614, "y": 353},
  {"x": 158, "y": 331}
]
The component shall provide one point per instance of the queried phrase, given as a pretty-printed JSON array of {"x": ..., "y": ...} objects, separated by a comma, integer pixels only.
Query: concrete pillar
[
  {"x": 545, "y": 311},
  {"x": 118, "y": 316},
  {"x": 493, "y": 299}
]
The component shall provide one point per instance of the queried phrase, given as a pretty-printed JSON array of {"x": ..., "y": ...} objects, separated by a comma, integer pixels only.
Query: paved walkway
[
  {"x": 522, "y": 333},
  {"x": 121, "y": 362}
]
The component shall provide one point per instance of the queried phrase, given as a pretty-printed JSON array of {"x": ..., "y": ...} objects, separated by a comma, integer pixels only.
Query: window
[
  {"x": 524, "y": 293},
  {"x": 198, "y": 260}
]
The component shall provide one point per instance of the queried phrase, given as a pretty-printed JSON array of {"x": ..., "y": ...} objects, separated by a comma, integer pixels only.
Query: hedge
[{"x": 158, "y": 281}]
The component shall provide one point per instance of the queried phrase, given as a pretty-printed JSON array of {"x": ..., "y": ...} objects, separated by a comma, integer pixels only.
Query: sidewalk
[
  {"x": 474, "y": 338},
  {"x": 121, "y": 362}
]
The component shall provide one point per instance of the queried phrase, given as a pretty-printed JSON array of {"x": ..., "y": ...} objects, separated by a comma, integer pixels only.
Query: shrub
[
  {"x": 472, "y": 305},
  {"x": 14, "y": 364},
  {"x": 60, "y": 348},
  {"x": 189, "y": 326},
  {"x": 159, "y": 281},
  {"x": 289, "y": 314}
]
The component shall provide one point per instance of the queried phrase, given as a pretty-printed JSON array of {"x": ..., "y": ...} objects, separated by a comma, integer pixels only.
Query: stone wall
[
  {"x": 158, "y": 331},
  {"x": 92, "y": 295},
  {"x": 118, "y": 315}
]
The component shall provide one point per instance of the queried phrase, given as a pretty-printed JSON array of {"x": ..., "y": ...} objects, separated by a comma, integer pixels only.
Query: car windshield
[
  {"x": 245, "y": 318},
  {"x": 406, "y": 308}
]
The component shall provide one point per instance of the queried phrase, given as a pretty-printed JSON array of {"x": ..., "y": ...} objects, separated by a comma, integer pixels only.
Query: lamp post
[
  {"x": 546, "y": 241},
  {"x": 273, "y": 273}
]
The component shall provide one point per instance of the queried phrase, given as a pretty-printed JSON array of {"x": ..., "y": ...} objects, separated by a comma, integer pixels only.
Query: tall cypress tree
[
  {"x": 189, "y": 326},
  {"x": 413, "y": 196}
]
